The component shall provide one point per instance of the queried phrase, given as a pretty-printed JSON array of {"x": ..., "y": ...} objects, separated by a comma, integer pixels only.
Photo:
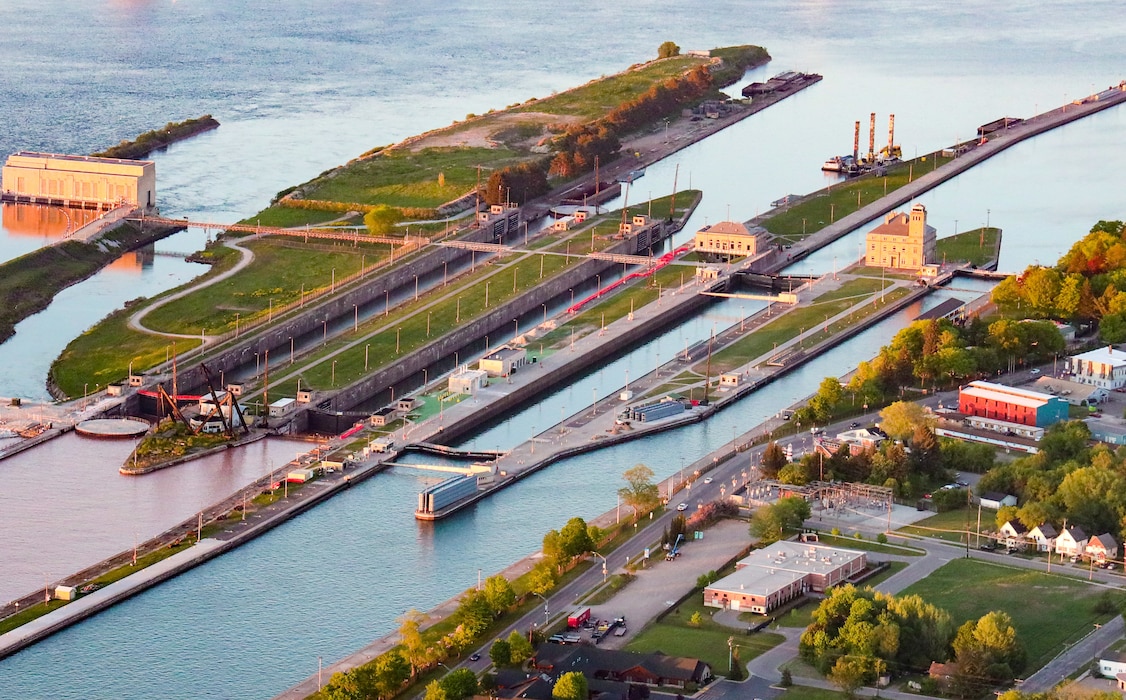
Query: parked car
[
  {"x": 853, "y": 425},
  {"x": 1034, "y": 371},
  {"x": 707, "y": 480},
  {"x": 988, "y": 546},
  {"x": 682, "y": 507}
]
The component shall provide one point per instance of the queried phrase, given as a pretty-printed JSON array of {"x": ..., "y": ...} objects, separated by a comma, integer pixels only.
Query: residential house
[
  {"x": 1043, "y": 536},
  {"x": 1071, "y": 541},
  {"x": 943, "y": 674},
  {"x": 1102, "y": 547},
  {"x": 1104, "y": 368},
  {"x": 995, "y": 499},
  {"x": 1113, "y": 664},
  {"x": 1014, "y": 534},
  {"x": 653, "y": 669}
]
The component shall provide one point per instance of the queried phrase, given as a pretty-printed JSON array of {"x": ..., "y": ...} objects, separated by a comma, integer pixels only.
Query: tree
[
  {"x": 459, "y": 684},
  {"x": 849, "y": 673},
  {"x": 900, "y": 419},
  {"x": 828, "y": 396},
  {"x": 575, "y": 538},
  {"x": 500, "y": 653},
  {"x": 570, "y": 686},
  {"x": 987, "y": 649},
  {"x": 435, "y": 691},
  {"x": 773, "y": 459},
  {"x": 667, "y": 50},
  {"x": 410, "y": 632},
  {"x": 388, "y": 675},
  {"x": 381, "y": 219},
  {"x": 521, "y": 649},
  {"x": 542, "y": 578},
  {"x": 769, "y": 523},
  {"x": 498, "y": 592},
  {"x": 640, "y": 493}
]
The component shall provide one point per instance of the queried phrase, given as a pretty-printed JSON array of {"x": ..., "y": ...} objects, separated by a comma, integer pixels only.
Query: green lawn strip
[
  {"x": 977, "y": 246},
  {"x": 287, "y": 217},
  {"x": 102, "y": 354},
  {"x": 674, "y": 635},
  {"x": 791, "y": 324},
  {"x": 600, "y": 96},
  {"x": 279, "y": 273},
  {"x": 854, "y": 288},
  {"x": 869, "y": 545},
  {"x": 399, "y": 177},
  {"x": 865, "y": 271},
  {"x": 613, "y": 585},
  {"x": 803, "y": 692},
  {"x": 893, "y": 568},
  {"x": 1047, "y": 611},
  {"x": 410, "y": 331},
  {"x": 952, "y": 525},
  {"x": 838, "y": 201},
  {"x": 796, "y": 617}
]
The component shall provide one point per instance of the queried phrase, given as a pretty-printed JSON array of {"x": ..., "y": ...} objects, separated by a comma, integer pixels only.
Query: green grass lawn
[
  {"x": 1048, "y": 611},
  {"x": 280, "y": 272},
  {"x": 404, "y": 178},
  {"x": 409, "y": 331},
  {"x": 802, "y": 692},
  {"x": 596, "y": 98},
  {"x": 977, "y": 246},
  {"x": 287, "y": 217},
  {"x": 831, "y": 204},
  {"x": 869, "y": 545},
  {"x": 952, "y": 525},
  {"x": 708, "y": 642}
]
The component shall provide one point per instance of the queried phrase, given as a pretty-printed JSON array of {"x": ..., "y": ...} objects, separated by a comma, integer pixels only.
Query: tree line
[
  {"x": 1088, "y": 283},
  {"x": 857, "y": 635}
]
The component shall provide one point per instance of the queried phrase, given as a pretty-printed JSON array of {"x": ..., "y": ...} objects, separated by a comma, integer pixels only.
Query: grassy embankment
[
  {"x": 29, "y": 283},
  {"x": 1063, "y": 611},
  {"x": 422, "y": 174},
  {"x": 281, "y": 270},
  {"x": 821, "y": 208},
  {"x": 150, "y": 141},
  {"x": 977, "y": 246},
  {"x": 802, "y": 319}
]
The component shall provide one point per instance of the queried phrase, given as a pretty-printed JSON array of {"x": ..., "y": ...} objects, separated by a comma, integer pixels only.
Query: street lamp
[
  {"x": 366, "y": 349},
  {"x": 604, "y": 571},
  {"x": 546, "y": 614},
  {"x": 334, "y": 372}
]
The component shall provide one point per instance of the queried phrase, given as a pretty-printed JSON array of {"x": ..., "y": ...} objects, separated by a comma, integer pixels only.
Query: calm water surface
[{"x": 299, "y": 91}]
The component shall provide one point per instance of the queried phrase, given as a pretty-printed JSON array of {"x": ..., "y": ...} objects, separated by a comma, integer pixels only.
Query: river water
[{"x": 305, "y": 90}]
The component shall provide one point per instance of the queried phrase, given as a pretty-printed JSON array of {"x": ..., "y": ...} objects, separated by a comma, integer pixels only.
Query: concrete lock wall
[
  {"x": 498, "y": 319},
  {"x": 276, "y": 339}
]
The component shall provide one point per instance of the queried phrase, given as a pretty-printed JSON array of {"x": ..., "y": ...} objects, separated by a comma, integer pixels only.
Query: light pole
[
  {"x": 546, "y": 614},
  {"x": 416, "y": 287},
  {"x": 356, "y": 318},
  {"x": 334, "y": 372},
  {"x": 604, "y": 570},
  {"x": 291, "y": 349},
  {"x": 367, "y": 348}
]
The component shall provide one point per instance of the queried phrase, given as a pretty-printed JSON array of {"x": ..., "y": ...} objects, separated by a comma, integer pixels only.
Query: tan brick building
[
  {"x": 728, "y": 238},
  {"x": 80, "y": 179},
  {"x": 902, "y": 242}
]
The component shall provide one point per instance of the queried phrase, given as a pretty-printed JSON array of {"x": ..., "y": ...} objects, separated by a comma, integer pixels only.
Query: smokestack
[
  {"x": 891, "y": 133},
  {"x": 856, "y": 141},
  {"x": 872, "y": 137}
]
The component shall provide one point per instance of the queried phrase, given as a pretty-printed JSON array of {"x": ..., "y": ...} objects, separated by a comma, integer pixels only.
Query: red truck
[{"x": 578, "y": 617}]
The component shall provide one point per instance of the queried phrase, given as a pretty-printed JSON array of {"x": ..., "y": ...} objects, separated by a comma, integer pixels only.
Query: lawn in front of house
[{"x": 674, "y": 634}]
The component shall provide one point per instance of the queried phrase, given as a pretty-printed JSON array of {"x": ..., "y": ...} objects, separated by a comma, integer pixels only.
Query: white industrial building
[{"x": 1104, "y": 368}]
